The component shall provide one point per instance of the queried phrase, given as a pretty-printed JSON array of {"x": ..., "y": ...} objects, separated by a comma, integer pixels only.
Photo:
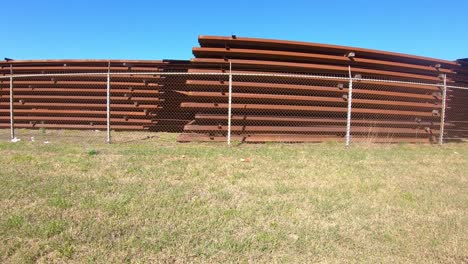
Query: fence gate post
[
  {"x": 442, "y": 115},
  {"x": 12, "y": 115},
  {"x": 229, "y": 105},
  {"x": 108, "y": 106},
  {"x": 350, "y": 98}
]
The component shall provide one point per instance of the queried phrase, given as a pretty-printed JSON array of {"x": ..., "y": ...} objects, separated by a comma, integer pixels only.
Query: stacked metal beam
[
  {"x": 77, "y": 100},
  {"x": 303, "y": 109}
]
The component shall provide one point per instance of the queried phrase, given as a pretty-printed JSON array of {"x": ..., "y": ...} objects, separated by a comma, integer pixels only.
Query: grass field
[{"x": 156, "y": 200}]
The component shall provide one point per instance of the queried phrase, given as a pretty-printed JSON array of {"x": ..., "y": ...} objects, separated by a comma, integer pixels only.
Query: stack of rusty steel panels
[
  {"x": 267, "y": 108},
  {"x": 396, "y": 97},
  {"x": 77, "y": 100}
]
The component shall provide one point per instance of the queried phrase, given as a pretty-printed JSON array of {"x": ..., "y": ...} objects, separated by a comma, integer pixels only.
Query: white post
[
  {"x": 442, "y": 115},
  {"x": 350, "y": 98},
  {"x": 12, "y": 115},
  {"x": 108, "y": 106},
  {"x": 229, "y": 105}
]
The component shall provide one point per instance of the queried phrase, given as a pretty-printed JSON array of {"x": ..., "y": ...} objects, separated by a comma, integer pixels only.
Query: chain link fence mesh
[
  {"x": 172, "y": 102},
  {"x": 53, "y": 107},
  {"x": 456, "y": 115},
  {"x": 288, "y": 108},
  {"x": 5, "y": 108},
  {"x": 72, "y": 105},
  {"x": 390, "y": 112}
]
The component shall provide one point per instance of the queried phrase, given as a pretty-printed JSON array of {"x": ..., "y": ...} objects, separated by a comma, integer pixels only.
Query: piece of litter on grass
[
  {"x": 14, "y": 140},
  {"x": 46, "y": 142},
  {"x": 245, "y": 160},
  {"x": 32, "y": 139}
]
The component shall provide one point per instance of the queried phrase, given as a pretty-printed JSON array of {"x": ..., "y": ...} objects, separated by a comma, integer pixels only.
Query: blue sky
[{"x": 137, "y": 29}]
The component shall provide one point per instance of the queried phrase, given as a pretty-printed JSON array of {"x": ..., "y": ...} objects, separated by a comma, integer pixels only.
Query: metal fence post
[
  {"x": 12, "y": 115},
  {"x": 229, "y": 105},
  {"x": 108, "y": 106},
  {"x": 442, "y": 115},
  {"x": 350, "y": 98}
]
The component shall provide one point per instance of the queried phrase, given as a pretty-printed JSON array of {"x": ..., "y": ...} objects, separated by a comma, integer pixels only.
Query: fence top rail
[
  {"x": 280, "y": 75},
  {"x": 7, "y": 76},
  {"x": 457, "y": 87}
]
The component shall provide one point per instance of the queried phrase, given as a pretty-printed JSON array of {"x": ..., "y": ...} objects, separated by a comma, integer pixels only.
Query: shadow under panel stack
[{"x": 304, "y": 109}]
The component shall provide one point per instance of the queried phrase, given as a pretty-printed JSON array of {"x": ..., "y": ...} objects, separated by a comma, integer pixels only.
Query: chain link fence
[
  {"x": 398, "y": 111},
  {"x": 229, "y": 106},
  {"x": 456, "y": 114},
  {"x": 288, "y": 107}
]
